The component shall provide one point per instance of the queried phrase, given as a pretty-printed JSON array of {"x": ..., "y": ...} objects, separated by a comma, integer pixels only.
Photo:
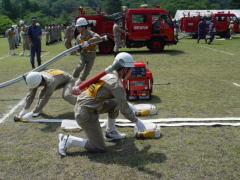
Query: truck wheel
[
  {"x": 106, "y": 47},
  {"x": 156, "y": 45}
]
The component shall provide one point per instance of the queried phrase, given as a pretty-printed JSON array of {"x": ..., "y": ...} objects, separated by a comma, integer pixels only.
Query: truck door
[
  {"x": 138, "y": 27},
  {"x": 222, "y": 23}
]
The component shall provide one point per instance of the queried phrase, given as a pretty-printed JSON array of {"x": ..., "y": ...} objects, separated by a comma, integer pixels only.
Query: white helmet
[
  {"x": 124, "y": 59},
  {"x": 21, "y": 22},
  {"x": 33, "y": 79},
  {"x": 81, "y": 22}
]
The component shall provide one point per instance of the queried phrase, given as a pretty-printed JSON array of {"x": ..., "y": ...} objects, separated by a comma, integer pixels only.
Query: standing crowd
[{"x": 53, "y": 33}]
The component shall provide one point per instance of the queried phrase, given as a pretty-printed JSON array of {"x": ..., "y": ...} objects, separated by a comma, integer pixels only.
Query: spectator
[
  {"x": 117, "y": 31},
  {"x": 202, "y": 30},
  {"x": 59, "y": 32},
  {"x": 24, "y": 37},
  {"x": 16, "y": 35},
  {"x": 10, "y": 36},
  {"x": 231, "y": 29},
  {"x": 176, "y": 28},
  {"x": 34, "y": 34},
  {"x": 211, "y": 31},
  {"x": 68, "y": 37},
  {"x": 47, "y": 32}
]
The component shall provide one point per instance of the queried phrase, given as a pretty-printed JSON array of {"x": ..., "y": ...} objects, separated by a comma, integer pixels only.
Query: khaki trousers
[
  {"x": 87, "y": 118},
  {"x": 85, "y": 65}
]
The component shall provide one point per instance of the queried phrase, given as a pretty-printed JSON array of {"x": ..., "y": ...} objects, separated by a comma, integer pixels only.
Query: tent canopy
[{"x": 180, "y": 13}]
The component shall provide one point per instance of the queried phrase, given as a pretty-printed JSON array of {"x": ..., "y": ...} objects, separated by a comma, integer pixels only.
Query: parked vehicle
[{"x": 150, "y": 27}]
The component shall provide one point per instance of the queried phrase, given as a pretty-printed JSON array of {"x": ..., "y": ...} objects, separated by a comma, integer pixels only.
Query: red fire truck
[
  {"x": 150, "y": 27},
  {"x": 189, "y": 24},
  {"x": 139, "y": 84}
]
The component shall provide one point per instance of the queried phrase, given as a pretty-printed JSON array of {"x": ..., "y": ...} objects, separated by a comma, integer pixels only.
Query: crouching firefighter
[
  {"x": 50, "y": 80},
  {"x": 106, "y": 95}
]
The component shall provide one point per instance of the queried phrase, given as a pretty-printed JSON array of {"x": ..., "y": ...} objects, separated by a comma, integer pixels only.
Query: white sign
[{"x": 140, "y": 27}]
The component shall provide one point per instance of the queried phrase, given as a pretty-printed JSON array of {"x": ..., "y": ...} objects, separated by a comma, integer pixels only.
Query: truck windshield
[
  {"x": 233, "y": 18},
  {"x": 138, "y": 72},
  {"x": 139, "y": 18}
]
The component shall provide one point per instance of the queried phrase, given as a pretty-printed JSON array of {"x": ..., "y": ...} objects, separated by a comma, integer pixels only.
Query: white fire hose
[{"x": 46, "y": 64}]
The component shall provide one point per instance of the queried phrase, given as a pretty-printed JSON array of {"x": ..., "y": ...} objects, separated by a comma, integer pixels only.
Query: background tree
[
  {"x": 5, "y": 23},
  {"x": 6, "y": 7},
  {"x": 63, "y": 10},
  {"x": 235, "y": 4},
  {"x": 112, "y": 6}
]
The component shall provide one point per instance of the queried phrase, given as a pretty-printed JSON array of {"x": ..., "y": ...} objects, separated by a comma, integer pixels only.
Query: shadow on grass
[
  {"x": 125, "y": 153},
  {"x": 172, "y": 52},
  {"x": 52, "y": 127},
  {"x": 155, "y": 99},
  {"x": 234, "y": 37}
]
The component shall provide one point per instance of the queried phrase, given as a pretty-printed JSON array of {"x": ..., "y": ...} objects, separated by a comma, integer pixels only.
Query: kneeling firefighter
[{"x": 106, "y": 95}]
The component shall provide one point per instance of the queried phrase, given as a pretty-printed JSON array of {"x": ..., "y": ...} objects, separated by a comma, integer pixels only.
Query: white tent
[{"x": 180, "y": 13}]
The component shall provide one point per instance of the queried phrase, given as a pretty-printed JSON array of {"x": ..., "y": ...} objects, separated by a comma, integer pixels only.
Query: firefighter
[
  {"x": 68, "y": 37},
  {"x": 231, "y": 29},
  {"x": 202, "y": 30},
  {"x": 47, "y": 31},
  {"x": 87, "y": 52},
  {"x": 34, "y": 34},
  {"x": 50, "y": 80},
  {"x": 24, "y": 37},
  {"x": 117, "y": 31},
  {"x": 10, "y": 36},
  {"x": 106, "y": 95}
]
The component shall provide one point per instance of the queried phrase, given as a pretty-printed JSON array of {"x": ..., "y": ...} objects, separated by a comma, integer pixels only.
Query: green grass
[{"x": 200, "y": 86}]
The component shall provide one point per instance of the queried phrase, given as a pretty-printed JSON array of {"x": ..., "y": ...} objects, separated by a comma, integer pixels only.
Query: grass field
[{"x": 200, "y": 84}]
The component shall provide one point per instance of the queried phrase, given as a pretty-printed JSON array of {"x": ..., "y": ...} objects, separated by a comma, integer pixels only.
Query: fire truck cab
[
  {"x": 139, "y": 84},
  {"x": 150, "y": 27}
]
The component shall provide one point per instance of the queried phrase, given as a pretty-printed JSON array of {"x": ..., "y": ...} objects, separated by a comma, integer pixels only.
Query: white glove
[
  {"x": 22, "y": 113},
  {"x": 85, "y": 44},
  {"x": 140, "y": 125},
  {"x": 27, "y": 116}
]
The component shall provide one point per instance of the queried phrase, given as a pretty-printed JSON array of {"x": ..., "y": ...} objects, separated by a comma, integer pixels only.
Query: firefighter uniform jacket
[
  {"x": 91, "y": 37},
  {"x": 54, "y": 79},
  {"x": 109, "y": 87}
]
